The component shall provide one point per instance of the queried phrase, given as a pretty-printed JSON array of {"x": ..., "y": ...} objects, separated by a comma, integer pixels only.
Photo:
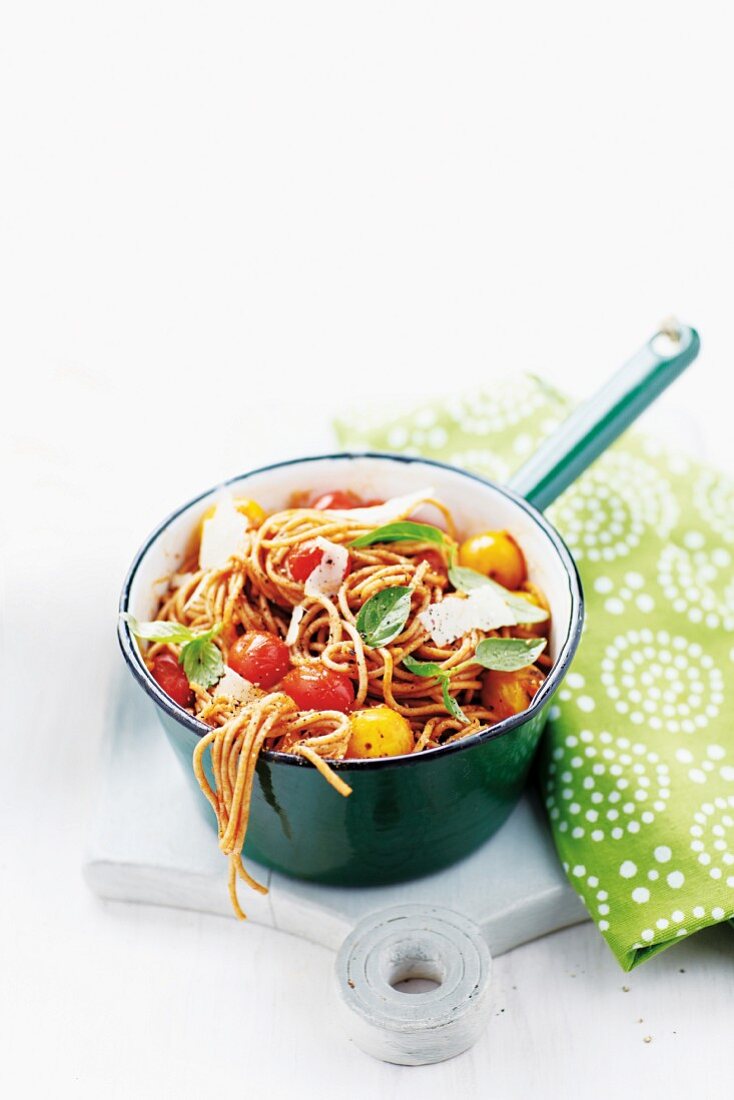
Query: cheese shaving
[
  {"x": 454, "y": 616},
  {"x": 236, "y": 687},
  {"x": 223, "y": 536},
  {"x": 391, "y": 510},
  {"x": 326, "y": 578},
  {"x": 292, "y": 636}
]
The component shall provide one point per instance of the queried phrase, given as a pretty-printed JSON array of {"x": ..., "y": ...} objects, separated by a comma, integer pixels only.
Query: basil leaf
[
  {"x": 404, "y": 531},
  {"x": 449, "y": 702},
  {"x": 530, "y": 612},
  {"x": 202, "y": 660},
  {"x": 466, "y": 580},
  {"x": 509, "y": 654},
  {"x": 159, "y": 631},
  {"x": 430, "y": 668},
  {"x": 384, "y": 615},
  {"x": 423, "y": 668}
]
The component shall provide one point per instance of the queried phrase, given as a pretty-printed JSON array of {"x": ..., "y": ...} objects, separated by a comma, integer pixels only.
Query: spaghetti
[{"x": 320, "y": 632}]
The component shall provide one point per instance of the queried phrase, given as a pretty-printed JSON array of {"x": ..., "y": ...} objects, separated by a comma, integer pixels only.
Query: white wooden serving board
[{"x": 150, "y": 843}]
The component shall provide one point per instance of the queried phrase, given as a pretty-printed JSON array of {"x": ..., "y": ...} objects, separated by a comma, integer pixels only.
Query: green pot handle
[{"x": 594, "y": 426}]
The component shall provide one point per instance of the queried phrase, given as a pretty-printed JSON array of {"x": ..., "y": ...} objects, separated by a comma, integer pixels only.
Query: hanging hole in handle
[{"x": 666, "y": 342}]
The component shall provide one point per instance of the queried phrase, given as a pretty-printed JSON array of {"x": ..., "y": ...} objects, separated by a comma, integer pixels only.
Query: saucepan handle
[{"x": 594, "y": 426}]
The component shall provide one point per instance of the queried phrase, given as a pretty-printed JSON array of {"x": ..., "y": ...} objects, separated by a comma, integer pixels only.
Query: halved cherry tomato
[
  {"x": 169, "y": 675},
  {"x": 337, "y": 498},
  {"x": 313, "y": 687},
  {"x": 303, "y": 560},
  {"x": 435, "y": 561},
  {"x": 260, "y": 657}
]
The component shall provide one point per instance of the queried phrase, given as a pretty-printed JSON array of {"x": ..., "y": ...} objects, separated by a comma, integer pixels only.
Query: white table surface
[{"x": 219, "y": 224}]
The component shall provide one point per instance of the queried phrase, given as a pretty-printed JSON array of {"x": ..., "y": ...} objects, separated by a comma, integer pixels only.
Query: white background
[{"x": 219, "y": 224}]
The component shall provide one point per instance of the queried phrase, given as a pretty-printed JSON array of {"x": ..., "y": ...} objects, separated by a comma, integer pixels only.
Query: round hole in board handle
[{"x": 414, "y": 972}]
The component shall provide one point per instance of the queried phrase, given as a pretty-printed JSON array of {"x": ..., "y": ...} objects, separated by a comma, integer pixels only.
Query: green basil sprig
[
  {"x": 158, "y": 631},
  {"x": 466, "y": 580},
  {"x": 403, "y": 531},
  {"x": 430, "y": 668},
  {"x": 201, "y": 659},
  {"x": 384, "y": 615},
  {"x": 509, "y": 654}
]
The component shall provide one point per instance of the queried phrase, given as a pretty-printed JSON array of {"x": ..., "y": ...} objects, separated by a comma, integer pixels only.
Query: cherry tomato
[
  {"x": 260, "y": 657},
  {"x": 379, "y": 731},
  {"x": 507, "y": 693},
  {"x": 169, "y": 675},
  {"x": 313, "y": 687},
  {"x": 497, "y": 554},
  {"x": 338, "y": 498},
  {"x": 435, "y": 561},
  {"x": 303, "y": 560}
]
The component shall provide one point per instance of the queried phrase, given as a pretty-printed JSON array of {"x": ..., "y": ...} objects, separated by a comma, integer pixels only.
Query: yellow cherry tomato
[
  {"x": 497, "y": 555},
  {"x": 379, "y": 731},
  {"x": 507, "y": 693},
  {"x": 532, "y": 630},
  {"x": 250, "y": 508}
]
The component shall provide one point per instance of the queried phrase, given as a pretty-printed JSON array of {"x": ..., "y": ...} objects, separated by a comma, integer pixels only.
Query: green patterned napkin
[{"x": 637, "y": 767}]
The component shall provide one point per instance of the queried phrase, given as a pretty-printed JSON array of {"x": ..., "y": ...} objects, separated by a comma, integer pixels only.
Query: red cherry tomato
[
  {"x": 169, "y": 675},
  {"x": 260, "y": 657},
  {"x": 312, "y": 687},
  {"x": 338, "y": 498},
  {"x": 435, "y": 561},
  {"x": 303, "y": 560}
]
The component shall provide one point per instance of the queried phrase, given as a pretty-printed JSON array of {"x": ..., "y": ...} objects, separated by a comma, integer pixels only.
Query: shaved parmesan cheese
[
  {"x": 482, "y": 609},
  {"x": 326, "y": 578},
  {"x": 380, "y": 514},
  {"x": 292, "y": 636},
  {"x": 234, "y": 686},
  {"x": 222, "y": 536}
]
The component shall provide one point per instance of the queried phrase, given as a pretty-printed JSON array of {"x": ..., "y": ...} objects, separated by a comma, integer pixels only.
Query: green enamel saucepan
[{"x": 409, "y": 815}]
